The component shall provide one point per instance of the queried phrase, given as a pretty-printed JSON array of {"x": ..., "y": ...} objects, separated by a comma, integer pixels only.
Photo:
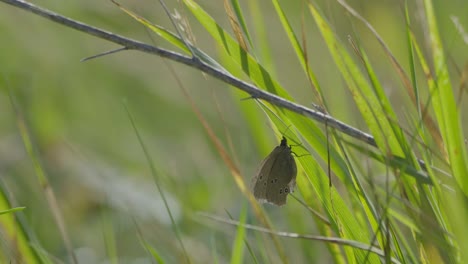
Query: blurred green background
[{"x": 75, "y": 113}]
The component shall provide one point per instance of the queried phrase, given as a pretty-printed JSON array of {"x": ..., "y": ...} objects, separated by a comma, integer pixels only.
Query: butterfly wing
[
  {"x": 260, "y": 181},
  {"x": 282, "y": 177}
]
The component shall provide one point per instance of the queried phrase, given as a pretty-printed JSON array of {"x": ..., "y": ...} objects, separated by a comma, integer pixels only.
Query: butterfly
[{"x": 276, "y": 177}]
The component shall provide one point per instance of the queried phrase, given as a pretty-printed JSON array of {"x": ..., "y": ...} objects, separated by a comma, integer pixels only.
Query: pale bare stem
[
  {"x": 218, "y": 72},
  {"x": 333, "y": 240},
  {"x": 460, "y": 29}
]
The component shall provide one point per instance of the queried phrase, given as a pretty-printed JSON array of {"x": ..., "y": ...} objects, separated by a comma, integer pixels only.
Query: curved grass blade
[
  {"x": 300, "y": 53},
  {"x": 360, "y": 89},
  {"x": 445, "y": 109},
  {"x": 150, "y": 249},
  {"x": 43, "y": 181},
  {"x": 236, "y": 28},
  {"x": 170, "y": 37},
  {"x": 427, "y": 120},
  {"x": 154, "y": 172},
  {"x": 241, "y": 20},
  {"x": 12, "y": 210},
  {"x": 15, "y": 243},
  {"x": 238, "y": 245},
  {"x": 264, "y": 53}
]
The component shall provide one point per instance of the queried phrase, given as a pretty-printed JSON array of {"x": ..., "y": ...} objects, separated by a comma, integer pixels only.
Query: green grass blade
[
  {"x": 109, "y": 238},
  {"x": 238, "y": 246},
  {"x": 240, "y": 18},
  {"x": 389, "y": 137},
  {"x": 444, "y": 105},
  {"x": 387, "y": 109},
  {"x": 264, "y": 53},
  {"x": 154, "y": 253},
  {"x": 249, "y": 65},
  {"x": 296, "y": 45},
  {"x": 12, "y": 210},
  {"x": 360, "y": 89},
  {"x": 411, "y": 61},
  {"x": 155, "y": 173},
  {"x": 445, "y": 109},
  {"x": 162, "y": 32},
  {"x": 171, "y": 38},
  {"x": 251, "y": 252},
  {"x": 43, "y": 181},
  {"x": 15, "y": 243},
  {"x": 371, "y": 101}
]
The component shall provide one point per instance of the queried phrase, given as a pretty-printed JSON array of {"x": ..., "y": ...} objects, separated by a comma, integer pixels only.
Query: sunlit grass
[{"x": 400, "y": 200}]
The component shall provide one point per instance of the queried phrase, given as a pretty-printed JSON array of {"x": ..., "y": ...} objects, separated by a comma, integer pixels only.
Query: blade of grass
[
  {"x": 362, "y": 197},
  {"x": 389, "y": 138},
  {"x": 12, "y": 210},
  {"x": 261, "y": 30},
  {"x": 154, "y": 253},
  {"x": 150, "y": 249},
  {"x": 235, "y": 25},
  {"x": 14, "y": 234},
  {"x": 411, "y": 64},
  {"x": 428, "y": 121},
  {"x": 43, "y": 181},
  {"x": 240, "y": 18},
  {"x": 237, "y": 255},
  {"x": 360, "y": 90},
  {"x": 387, "y": 109},
  {"x": 172, "y": 38},
  {"x": 394, "y": 161},
  {"x": 43, "y": 256},
  {"x": 109, "y": 238},
  {"x": 251, "y": 252},
  {"x": 445, "y": 109},
  {"x": 154, "y": 173},
  {"x": 300, "y": 52},
  {"x": 444, "y": 105}
]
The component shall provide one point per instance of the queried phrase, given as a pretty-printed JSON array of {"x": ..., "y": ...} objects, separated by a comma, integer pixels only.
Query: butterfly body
[{"x": 276, "y": 177}]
